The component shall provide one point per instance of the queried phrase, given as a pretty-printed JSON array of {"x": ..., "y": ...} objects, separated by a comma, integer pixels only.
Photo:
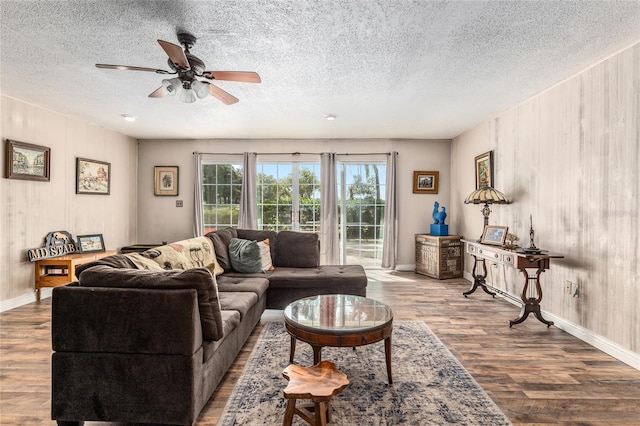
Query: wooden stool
[{"x": 318, "y": 383}]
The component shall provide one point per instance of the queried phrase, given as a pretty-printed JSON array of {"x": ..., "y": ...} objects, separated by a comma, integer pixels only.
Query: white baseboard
[
  {"x": 605, "y": 345},
  {"x": 25, "y": 299},
  {"x": 406, "y": 268}
]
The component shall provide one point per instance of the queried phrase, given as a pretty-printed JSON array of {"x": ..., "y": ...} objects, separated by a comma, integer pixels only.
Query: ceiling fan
[{"x": 188, "y": 67}]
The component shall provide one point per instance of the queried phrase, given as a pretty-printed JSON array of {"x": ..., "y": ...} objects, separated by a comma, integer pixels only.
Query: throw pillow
[
  {"x": 265, "y": 255},
  {"x": 245, "y": 256}
]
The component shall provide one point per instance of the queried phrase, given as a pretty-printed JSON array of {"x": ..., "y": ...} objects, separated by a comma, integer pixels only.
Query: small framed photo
[
  {"x": 165, "y": 180},
  {"x": 27, "y": 161},
  {"x": 93, "y": 177},
  {"x": 425, "y": 182},
  {"x": 494, "y": 235},
  {"x": 90, "y": 243},
  {"x": 484, "y": 170}
]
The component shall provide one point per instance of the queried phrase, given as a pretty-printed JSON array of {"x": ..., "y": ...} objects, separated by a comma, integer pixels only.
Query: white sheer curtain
[
  {"x": 198, "y": 220},
  {"x": 390, "y": 240},
  {"x": 248, "y": 218},
  {"x": 329, "y": 247}
]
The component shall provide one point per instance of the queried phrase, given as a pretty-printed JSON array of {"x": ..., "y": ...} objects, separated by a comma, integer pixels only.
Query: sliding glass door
[{"x": 361, "y": 206}]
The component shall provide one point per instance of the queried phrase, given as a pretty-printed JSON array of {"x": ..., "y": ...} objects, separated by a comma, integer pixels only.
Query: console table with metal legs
[{"x": 531, "y": 265}]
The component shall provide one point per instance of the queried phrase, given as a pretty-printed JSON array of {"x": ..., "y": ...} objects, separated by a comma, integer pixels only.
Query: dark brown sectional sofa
[{"x": 134, "y": 343}]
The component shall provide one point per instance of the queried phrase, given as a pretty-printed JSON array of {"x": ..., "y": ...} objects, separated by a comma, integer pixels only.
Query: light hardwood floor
[{"x": 536, "y": 375}]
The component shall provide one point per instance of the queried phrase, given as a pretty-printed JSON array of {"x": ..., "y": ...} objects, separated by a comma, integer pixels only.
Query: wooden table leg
[
  {"x": 387, "y": 355},
  {"x": 531, "y": 304},
  {"x": 288, "y": 414},
  {"x": 479, "y": 279},
  {"x": 292, "y": 350},
  {"x": 320, "y": 413},
  {"x": 317, "y": 354}
]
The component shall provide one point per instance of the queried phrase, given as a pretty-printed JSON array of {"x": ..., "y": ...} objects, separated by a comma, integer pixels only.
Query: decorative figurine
[
  {"x": 439, "y": 217},
  {"x": 511, "y": 241},
  {"x": 532, "y": 249},
  {"x": 438, "y": 227},
  {"x": 531, "y": 234}
]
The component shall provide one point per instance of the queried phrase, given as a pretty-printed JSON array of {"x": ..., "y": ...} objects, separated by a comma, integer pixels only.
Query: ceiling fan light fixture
[
  {"x": 185, "y": 86},
  {"x": 330, "y": 117},
  {"x": 188, "y": 96},
  {"x": 201, "y": 88},
  {"x": 128, "y": 117},
  {"x": 172, "y": 86}
]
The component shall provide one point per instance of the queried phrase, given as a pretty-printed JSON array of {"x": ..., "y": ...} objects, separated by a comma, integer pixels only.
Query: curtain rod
[{"x": 292, "y": 153}]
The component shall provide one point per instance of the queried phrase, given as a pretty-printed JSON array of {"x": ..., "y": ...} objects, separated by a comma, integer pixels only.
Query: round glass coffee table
[{"x": 339, "y": 320}]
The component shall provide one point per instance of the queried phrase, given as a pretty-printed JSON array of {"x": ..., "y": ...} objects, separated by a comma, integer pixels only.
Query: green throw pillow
[{"x": 245, "y": 256}]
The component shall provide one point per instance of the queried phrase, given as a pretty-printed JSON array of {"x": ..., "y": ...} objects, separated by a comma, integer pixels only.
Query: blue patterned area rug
[{"x": 430, "y": 387}]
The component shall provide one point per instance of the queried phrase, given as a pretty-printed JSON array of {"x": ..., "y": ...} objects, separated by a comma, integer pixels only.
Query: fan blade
[
  {"x": 176, "y": 54},
  {"x": 131, "y": 68},
  {"x": 160, "y": 92},
  {"x": 225, "y": 97},
  {"x": 242, "y": 76}
]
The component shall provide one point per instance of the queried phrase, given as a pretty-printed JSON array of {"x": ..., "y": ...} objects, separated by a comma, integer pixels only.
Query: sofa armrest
[{"x": 125, "y": 320}]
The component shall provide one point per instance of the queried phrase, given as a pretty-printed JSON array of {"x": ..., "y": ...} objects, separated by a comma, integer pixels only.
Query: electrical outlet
[
  {"x": 568, "y": 285},
  {"x": 178, "y": 203}
]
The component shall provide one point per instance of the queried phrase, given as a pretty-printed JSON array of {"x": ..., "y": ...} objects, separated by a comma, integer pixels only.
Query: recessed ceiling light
[
  {"x": 330, "y": 117},
  {"x": 128, "y": 117}
]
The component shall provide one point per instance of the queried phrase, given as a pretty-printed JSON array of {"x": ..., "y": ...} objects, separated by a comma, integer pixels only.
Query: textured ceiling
[{"x": 386, "y": 68}]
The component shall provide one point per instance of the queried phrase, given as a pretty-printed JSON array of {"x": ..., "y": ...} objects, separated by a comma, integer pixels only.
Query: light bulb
[
  {"x": 188, "y": 96},
  {"x": 201, "y": 88},
  {"x": 172, "y": 85}
]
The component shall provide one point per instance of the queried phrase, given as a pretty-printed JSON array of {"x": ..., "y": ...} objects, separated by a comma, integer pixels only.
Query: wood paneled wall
[
  {"x": 570, "y": 157},
  {"x": 31, "y": 209}
]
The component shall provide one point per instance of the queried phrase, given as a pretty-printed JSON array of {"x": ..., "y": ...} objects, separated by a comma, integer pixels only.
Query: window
[
  {"x": 289, "y": 196},
  {"x": 221, "y": 188}
]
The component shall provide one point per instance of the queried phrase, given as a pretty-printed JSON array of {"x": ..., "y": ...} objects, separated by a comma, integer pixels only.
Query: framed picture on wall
[
  {"x": 484, "y": 170},
  {"x": 27, "y": 161},
  {"x": 425, "y": 182},
  {"x": 165, "y": 180},
  {"x": 93, "y": 177}
]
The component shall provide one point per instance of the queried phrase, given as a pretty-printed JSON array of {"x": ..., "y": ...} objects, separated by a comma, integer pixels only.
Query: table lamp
[{"x": 486, "y": 195}]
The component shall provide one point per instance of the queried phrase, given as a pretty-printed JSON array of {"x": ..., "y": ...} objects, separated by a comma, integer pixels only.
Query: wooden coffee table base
[{"x": 343, "y": 339}]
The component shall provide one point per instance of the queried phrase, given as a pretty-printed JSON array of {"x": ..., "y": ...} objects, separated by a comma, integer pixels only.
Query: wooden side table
[
  {"x": 61, "y": 270},
  {"x": 439, "y": 257},
  {"x": 531, "y": 295}
]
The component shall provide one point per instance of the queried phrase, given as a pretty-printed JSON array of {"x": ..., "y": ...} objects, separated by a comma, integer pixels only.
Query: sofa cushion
[
  {"x": 297, "y": 250},
  {"x": 238, "y": 301},
  {"x": 186, "y": 254},
  {"x": 257, "y": 284},
  {"x": 231, "y": 320},
  {"x": 245, "y": 256},
  {"x": 221, "y": 239},
  {"x": 345, "y": 277},
  {"x": 199, "y": 279}
]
